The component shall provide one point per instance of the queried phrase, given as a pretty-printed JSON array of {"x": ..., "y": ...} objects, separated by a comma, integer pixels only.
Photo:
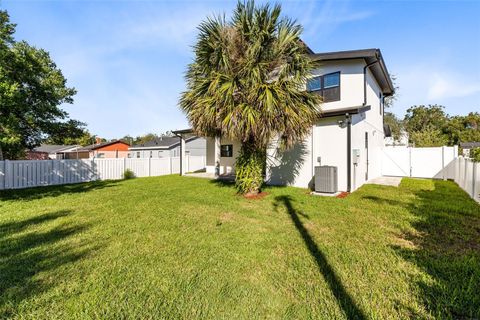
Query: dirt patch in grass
[
  {"x": 226, "y": 216},
  {"x": 342, "y": 195},
  {"x": 259, "y": 195}
]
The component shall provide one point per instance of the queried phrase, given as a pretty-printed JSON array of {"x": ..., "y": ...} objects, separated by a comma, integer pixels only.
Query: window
[
  {"x": 138, "y": 154},
  {"x": 151, "y": 154},
  {"x": 331, "y": 80},
  {"x": 129, "y": 155},
  {"x": 328, "y": 86},
  {"x": 160, "y": 154},
  {"x": 100, "y": 155},
  {"x": 314, "y": 84},
  {"x": 226, "y": 150}
]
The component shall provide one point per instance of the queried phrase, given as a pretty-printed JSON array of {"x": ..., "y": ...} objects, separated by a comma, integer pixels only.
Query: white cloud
[
  {"x": 323, "y": 18},
  {"x": 446, "y": 85},
  {"x": 435, "y": 82}
]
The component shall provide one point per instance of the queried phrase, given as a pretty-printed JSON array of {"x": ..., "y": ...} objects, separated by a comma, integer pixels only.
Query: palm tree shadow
[
  {"x": 445, "y": 244},
  {"x": 344, "y": 300},
  {"x": 26, "y": 253}
]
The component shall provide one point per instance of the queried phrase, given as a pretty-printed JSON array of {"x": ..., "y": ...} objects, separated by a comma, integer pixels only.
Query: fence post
[
  {"x": 149, "y": 166},
  {"x": 443, "y": 163},
  {"x": 54, "y": 172},
  {"x": 6, "y": 164},
  {"x": 124, "y": 165},
  {"x": 94, "y": 173},
  {"x": 465, "y": 174},
  {"x": 171, "y": 164},
  {"x": 474, "y": 175},
  {"x": 410, "y": 160},
  {"x": 460, "y": 176}
]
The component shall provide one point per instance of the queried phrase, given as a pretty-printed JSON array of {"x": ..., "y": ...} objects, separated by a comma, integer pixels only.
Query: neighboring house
[
  {"x": 349, "y": 135},
  {"x": 467, "y": 146},
  {"x": 111, "y": 149},
  {"x": 49, "y": 151},
  {"x": 168, "y": 147}
]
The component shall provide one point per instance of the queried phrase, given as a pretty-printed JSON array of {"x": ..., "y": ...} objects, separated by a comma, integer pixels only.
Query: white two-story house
[{"x": 349, "y": 135}]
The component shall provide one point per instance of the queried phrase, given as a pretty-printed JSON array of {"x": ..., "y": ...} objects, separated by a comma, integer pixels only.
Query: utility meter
[{"x": 356, "y": 156}]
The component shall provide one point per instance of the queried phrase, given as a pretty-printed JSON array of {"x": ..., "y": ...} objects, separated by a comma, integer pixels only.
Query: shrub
[
  {"x": 475, "y": 154},
  {"x": 128, "y": 174}
]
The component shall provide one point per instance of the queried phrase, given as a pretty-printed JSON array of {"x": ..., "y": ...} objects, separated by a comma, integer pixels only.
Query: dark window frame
[
  {"x": 226, "y": 150},
  {"x": 332, "y": 89}
]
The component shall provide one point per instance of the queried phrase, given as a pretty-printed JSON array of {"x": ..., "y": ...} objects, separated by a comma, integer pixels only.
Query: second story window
[{"x": 328, "y": 86}]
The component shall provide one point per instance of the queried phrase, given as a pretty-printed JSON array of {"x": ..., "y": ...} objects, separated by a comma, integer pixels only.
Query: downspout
[
  {"x": 181, "y": 160},
  {"x": 349, "y": 152},
  {"x": 368, "y": 65}
]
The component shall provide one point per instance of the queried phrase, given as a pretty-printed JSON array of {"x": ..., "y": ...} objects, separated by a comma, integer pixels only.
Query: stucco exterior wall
[
  {"x": 227, "y": 164},
  {"x": 327, "y": 143},
  {"x": 351, "y": 82},
  {"x": 291, "y": 167}
]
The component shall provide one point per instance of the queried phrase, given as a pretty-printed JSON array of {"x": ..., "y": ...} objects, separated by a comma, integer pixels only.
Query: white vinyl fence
[
  {"x": 404, "y": 161},
  {"x": 436, "y": 163},
  {"x": 32, "y": 173},
  {"x": 466, "y": 174}
]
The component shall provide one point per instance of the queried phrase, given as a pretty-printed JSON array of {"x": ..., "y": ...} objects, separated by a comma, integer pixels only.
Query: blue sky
[{"x": 127, "y": 58}]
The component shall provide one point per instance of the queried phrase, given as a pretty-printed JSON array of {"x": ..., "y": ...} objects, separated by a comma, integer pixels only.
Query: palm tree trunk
[{"x": 249, "y": 167}]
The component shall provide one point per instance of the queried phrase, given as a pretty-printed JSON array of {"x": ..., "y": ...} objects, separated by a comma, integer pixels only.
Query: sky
[{"x": 127, "y": 58}]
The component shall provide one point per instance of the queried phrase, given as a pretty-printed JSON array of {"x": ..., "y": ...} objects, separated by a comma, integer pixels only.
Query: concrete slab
[
  {"x": 386, "y": 181},
  {"x": 324, "y": 194}
]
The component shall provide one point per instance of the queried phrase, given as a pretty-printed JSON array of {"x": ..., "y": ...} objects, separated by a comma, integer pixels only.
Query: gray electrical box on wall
[
  {"x": 356, "y": 156},
  {"x": 326, "y": 179}
]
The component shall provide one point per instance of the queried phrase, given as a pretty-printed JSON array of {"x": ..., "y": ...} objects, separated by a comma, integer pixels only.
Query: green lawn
[{"x": 179, "y": 247}]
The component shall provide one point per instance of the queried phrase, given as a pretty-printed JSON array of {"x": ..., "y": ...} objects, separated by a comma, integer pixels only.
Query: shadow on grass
[
  {"x": 25, "y": 254},
  {"x": 445, "y": 244},
  {"x": 344, "y": 300},
  {"x": 54, "y": 191}
]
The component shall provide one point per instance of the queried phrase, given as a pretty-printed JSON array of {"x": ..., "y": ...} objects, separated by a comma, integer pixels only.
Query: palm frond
[{"x": 248, "y": 77}]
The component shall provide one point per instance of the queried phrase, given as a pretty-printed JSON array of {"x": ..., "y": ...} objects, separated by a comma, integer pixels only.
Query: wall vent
[{"x": 326, "y": 179}]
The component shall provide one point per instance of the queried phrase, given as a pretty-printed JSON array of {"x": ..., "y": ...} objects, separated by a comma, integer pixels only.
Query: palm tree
[{"x": 247, "y": 83}]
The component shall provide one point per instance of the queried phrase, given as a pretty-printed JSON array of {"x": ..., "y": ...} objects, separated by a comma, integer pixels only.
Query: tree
[
  {"x": 463, "y": 128},
  {"x": 390, "y": 100},
  {"x": 246, "y": 83},
  {"x": 72, "y": 135},
  {"x": 146, "y": 138},
  {"x": 395, "y": 124},
  {"x": 426, "y": 125},
  {"x": 31, "y": 90},
  {"x": 475, "y": 154}
]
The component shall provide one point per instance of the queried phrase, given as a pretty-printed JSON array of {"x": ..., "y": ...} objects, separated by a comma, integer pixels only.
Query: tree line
[{"x": 431, "y": 126}]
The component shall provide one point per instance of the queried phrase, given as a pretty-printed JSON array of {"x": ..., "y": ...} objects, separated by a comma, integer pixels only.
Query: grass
[{"x": 179, "y": 247}]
